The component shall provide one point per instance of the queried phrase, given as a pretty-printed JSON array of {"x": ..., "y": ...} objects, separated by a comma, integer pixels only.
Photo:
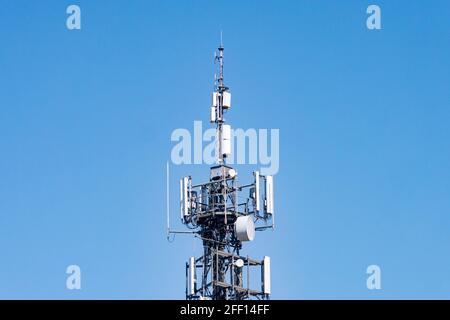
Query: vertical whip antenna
[{"x": 221, "y": 102}]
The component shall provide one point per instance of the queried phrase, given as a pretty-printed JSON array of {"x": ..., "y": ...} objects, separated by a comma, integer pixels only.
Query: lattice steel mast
[{"x": 213, "y": 212}]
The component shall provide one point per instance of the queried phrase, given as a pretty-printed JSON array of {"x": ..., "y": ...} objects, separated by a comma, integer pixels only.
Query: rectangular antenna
[
  {"x": 269, "y": 194},
  {"x": 214, "y": 99},
  {"x": 184, "y": 196},
  {"x": 192, "y": 276},
  {"x": 212, "y": 117},
  {"x": 257, "y": 205},
  {"x": 181, "y": 198},
  {"x": 226, "y": 100},
  {"x": 266, "y": 275}
]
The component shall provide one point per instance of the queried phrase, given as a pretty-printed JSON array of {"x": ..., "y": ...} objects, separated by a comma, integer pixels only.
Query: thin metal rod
[
  {"x": 177, "y": 231},
  {"x": 167, "y": 198}
]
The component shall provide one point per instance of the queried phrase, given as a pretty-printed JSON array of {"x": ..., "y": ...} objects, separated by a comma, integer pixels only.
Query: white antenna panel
[
  {"x": 184, "y": 198},
  {"x": 256, "y": 173},
  {"x": 181, "y": 197},
  {"x": 214, "y": 99},
  {"x": 213, "y": 114},
  {"x": 192, "y": 276},
  {"x": 269, "y": 195},
  {"x": 226, "y": 139},
  {"x": 226, "y": 100},
  {"x": 266, "y": 275}
]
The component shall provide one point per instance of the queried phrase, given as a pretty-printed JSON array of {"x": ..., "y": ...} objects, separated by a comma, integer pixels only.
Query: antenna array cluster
[{"x": 224, "y": 214}]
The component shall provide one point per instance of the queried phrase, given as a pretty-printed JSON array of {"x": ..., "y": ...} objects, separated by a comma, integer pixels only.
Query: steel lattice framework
[{"x": 218, "y": 214}]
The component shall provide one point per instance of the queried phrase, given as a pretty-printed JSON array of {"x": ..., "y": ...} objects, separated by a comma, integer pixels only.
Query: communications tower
[{"x": 224, "y": 215}]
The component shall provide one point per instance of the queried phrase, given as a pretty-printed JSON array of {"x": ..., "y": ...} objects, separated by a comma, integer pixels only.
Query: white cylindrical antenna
[{"x": 226, "y": 140}]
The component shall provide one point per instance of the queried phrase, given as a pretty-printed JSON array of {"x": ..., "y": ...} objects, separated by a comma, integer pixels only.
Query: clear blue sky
[{"x": 86, "y": 118}]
